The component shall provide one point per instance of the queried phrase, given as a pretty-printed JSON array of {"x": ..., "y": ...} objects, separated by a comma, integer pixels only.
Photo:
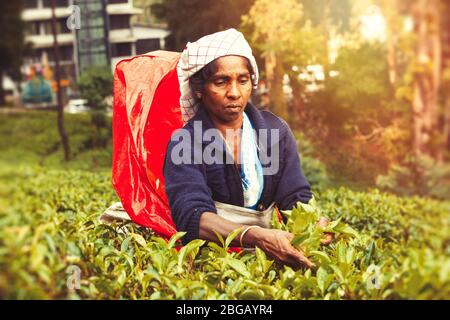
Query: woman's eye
[
  {"x": 219, "y": 83},
  {"x": 244, "y": 81}
]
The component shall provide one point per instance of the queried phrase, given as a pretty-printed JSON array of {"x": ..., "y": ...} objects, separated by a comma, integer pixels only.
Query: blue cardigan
[{"x": 192, "y": 188}]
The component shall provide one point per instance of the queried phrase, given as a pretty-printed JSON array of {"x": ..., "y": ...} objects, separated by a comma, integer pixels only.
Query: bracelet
[{"x": 244, "y": 232}]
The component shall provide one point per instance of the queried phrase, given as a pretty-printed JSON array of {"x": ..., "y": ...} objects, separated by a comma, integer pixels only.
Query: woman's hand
[
  {"x": 323, "y": 222},
  {"x": 277, "y": 244}
]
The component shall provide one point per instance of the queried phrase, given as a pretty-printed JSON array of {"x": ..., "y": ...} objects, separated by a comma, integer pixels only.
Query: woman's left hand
[{"x": 323, "y": 222}]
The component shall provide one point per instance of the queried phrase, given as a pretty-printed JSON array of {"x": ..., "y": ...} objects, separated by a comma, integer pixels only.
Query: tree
[
  {"x": 361, "y": 86},
  {"x": 12, "y": 43},
  {"x": 300, "y": 30},
  {"x": 390, "y": 9},
  {"x": 285, "y": 39},
  {"x": 189, "y": 20},
  {"x": 148, "y": 16},
  {"x": 418, "y": 69},
  {"x": 427, "y": 75},
  {"x": 330, "y": 16},
  {"x": 445, "y": 82},
  {"x": 353, "y": 121},
  {"x": 95, "y": 85}
]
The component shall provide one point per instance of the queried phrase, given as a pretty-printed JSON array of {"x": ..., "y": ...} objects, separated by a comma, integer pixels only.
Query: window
[
  {"x": 65, "y": 53},
  {"x": 117, "y": 1},
  {"x": 48, "y": 27},
  {"x": 119, "y": 22},
  {"x": 120, "y": 49},
  {"x": 32, "y": 28},
  {"x": 147, "y": 45},
  {"x": 59, "y": 3},
  {"x": 61, "y": 26},
  {"x": 30, "y": 4}
]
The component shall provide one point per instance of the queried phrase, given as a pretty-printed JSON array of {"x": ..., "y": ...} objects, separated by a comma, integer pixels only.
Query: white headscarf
[{"x": 198, "y": 54}]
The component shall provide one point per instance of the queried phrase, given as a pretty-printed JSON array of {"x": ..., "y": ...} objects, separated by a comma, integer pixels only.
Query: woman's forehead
[{"x": 231, "y": 64}]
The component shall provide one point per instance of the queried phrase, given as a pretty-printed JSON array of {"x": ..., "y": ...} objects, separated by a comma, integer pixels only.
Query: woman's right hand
[{"x": 277, "y": 245}]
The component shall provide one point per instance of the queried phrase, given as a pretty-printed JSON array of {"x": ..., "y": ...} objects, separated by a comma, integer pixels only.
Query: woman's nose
[{"x": 234, "y": 91}]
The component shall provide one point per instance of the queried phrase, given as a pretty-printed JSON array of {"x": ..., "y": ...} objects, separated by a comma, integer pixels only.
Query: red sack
[{"x": 146, "y": 113}]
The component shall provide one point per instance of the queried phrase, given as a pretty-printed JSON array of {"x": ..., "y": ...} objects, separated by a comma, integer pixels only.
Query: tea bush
[
  {"x": 418, "y": 175},
  {"x": 32, "y": 137},
  {"x": 386, "y": 247}
]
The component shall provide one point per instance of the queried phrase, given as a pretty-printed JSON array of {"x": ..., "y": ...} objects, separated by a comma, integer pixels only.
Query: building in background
[
  {"x": 89, "y": 20},
  {"x": 122, "y": 38}
]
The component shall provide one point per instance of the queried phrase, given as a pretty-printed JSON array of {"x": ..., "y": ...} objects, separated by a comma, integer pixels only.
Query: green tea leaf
[
  {"x": 299, "y": 239},
  {"x": 125, "y": 244},
  {"x": 346, "y": 230},
  {"x": 177, "y": 236},
  {"x": 238, "y": 266},
  {"x": 252, "y": 295},
  {"x": 322, "y": 279},
  {"x": 190, "y": 249},
  {"x": 232, "y": 236},
  {"x": 139, "y": 239},
  {"x": 322, "y": 256},
  {"x": 218, "y": 249},
  {"x": 220, "y": 238}
]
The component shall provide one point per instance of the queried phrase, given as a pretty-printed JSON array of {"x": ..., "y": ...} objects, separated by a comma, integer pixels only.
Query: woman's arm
[
  {"x": 275, "y": 243},
  {"x": 293, "y": 185}
]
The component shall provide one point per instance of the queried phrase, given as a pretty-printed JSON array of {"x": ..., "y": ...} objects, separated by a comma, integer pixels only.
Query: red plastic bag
[{"x": 146, "y": 113}]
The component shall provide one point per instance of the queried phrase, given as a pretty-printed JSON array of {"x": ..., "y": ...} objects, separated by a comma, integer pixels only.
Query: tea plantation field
[{"x": 52, "y": 246}]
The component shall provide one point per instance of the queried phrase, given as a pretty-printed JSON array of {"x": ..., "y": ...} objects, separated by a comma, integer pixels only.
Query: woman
[{"x": 217, "y": 74}]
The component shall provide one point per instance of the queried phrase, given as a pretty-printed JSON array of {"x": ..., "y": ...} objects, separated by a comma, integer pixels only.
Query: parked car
[{"x": 77, "y": 106}]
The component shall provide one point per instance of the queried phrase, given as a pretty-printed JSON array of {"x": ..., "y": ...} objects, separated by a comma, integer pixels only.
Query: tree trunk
[
  {"x": 445, "y": 148},
  {"x": 60, "y": 107},
  {"x": 390, "y": 11},
  {"x": 326, "y": 40},
  {"x": 270, "y": 62},
  {"x": 275, "y": 74},
  {"x": 446, "y": 131},
  {"x": 392, "y": 40},
  {"x": 427, "y": 80},
  {"x": 2, "y": 91},
  {"x": 297, "y": 96},
  {"x": 392, "y": 60}
]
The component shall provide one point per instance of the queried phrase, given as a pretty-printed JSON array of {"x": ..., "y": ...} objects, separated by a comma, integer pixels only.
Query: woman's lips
[{"x": 233, "y": 108}]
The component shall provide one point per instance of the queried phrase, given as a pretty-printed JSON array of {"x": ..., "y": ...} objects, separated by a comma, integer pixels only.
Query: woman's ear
[{"x": 198, "y": 94}]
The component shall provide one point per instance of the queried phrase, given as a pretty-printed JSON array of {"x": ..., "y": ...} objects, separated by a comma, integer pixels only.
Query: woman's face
[{"x": 226, "y": 93}]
